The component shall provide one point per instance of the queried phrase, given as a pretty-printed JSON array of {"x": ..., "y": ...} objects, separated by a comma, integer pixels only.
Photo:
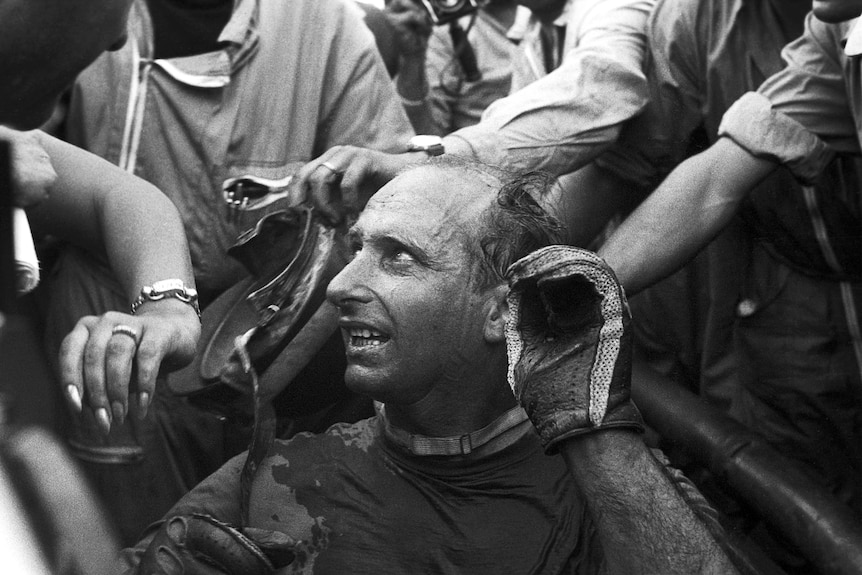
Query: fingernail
[
  {"x": 119, "y": 412},
  {"x": 143, "y": 403},
  {"x": 103, "y": 419},
  {"x": 74, "y": 397}
]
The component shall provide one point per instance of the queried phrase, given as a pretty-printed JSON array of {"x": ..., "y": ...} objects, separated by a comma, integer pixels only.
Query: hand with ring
[
  {"x": 343, "y": 178},
  {"x": 109, "y": 363}
]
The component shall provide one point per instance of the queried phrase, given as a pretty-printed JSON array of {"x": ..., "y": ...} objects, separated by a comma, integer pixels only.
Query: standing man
[{"x": 797, "y": 335}]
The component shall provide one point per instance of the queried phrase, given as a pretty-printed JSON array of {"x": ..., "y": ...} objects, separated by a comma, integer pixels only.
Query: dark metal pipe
[{"x": 823, "y": 529}]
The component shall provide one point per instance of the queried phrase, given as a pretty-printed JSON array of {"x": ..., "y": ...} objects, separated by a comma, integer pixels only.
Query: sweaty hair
[{"x": 517, "y": 225}]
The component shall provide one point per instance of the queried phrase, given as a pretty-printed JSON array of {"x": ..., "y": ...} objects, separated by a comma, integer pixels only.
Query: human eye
[
  {"x": 354, "y": 246},
  {"x": 399, "y": 256}
]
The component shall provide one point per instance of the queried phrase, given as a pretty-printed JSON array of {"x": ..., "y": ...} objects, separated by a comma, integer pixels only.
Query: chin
[
  {"x": 833, "y": 12},
  {"x": 26, "y": 115}
]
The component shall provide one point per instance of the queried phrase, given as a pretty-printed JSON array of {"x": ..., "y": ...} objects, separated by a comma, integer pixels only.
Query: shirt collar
[
  {"x": 515, "y": 421},
  {"x": 240, "y": 38}
]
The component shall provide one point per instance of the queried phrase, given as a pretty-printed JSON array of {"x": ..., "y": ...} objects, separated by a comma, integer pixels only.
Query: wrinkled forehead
[{"x": 438, "y": 195}]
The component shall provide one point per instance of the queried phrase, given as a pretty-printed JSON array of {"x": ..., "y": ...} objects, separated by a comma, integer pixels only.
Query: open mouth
[{"x": 364, "y": 337}]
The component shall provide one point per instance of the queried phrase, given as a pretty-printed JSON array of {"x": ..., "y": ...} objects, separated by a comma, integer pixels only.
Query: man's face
[
  {"x": 836, "y": 10},
  {"x": 410, "y": 312},
  {"x": 44, "y": 44}
]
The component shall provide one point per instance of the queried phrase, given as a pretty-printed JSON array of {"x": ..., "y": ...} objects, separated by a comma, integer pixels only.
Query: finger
[
  {"x": 72, "y": 362},
  {"x": 326, "y": 194},
  {"x": 119, "y": 358},
  {"x": 95, "y": 393},
  {"x": 151, "y": 353}
]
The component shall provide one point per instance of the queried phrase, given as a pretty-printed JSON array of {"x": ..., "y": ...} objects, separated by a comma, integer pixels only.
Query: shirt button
[{"x": 746, "y": 308}]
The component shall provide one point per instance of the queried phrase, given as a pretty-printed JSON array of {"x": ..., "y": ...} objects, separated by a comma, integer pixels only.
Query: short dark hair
[{"x": 517, "y": 225}]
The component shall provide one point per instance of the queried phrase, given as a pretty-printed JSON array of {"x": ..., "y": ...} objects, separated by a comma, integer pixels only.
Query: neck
[
  {"x": 458, "y": 405},
  {"x": 503, "y": 12},
  {"x": 550, "y": 14}
]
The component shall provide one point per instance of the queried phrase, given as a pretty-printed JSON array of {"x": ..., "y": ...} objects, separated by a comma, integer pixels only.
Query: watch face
[
  {"x": 425, "y": 141},
  {"x": 431, "y": 145}
]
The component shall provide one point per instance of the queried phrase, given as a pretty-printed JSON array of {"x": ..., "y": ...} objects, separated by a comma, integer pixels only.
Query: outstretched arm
[
  {"x": 99, "y": 207},
  {"x": 683, "y": 214},
  {"x": 569, "y": 339}
]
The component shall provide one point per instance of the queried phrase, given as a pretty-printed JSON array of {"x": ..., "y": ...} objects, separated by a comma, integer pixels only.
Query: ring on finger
[
  {"x": 331, "y": 168},
  {"x": 126, "y": 330}
]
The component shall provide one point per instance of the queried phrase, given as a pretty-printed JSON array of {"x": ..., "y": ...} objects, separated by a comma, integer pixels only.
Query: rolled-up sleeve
[
  {"x": 767, "y": 133},
  {"x": 562, "y": 121},
  {"x": 800, "y": 116}
]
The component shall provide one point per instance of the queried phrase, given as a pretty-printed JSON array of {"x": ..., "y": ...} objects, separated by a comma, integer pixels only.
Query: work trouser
[{"x": 776, "y": 349}]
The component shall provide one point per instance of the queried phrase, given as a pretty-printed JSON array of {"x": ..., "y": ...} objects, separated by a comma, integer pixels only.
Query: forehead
[{"x": 432, "y": 199}]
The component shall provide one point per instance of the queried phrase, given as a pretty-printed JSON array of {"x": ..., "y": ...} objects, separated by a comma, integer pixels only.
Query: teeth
[{"x": 365, "y": 333}]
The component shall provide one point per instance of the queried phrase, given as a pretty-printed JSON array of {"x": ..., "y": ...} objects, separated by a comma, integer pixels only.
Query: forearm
[
  {"x": 412, "y": 86},
  {"x": 550, "y": 125},
  {"x": 644, "y": 523},
  {"x": 679, "y": 218},
  {"x": 114, "y": 214}
]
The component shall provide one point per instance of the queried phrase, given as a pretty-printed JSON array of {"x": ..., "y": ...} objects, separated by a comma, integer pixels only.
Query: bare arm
[
  {"x": 684, "y": 213},
  {"x": 412, "y": 27},
  {"x": 105, "y": 210},
  {"x": 569, "y": 338},
  {"x": 644, "y": 523}
]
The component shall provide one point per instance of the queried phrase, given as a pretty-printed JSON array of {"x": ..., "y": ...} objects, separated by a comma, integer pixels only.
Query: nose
[{"x": 351, "y": 283}]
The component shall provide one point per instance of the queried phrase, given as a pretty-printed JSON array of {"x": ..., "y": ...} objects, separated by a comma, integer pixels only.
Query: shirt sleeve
[
  {"x": 361, "y": 106},
  {"x": 562, "y": 121},
  {"x": 654, "y": 142},
  {"x": 801, "y": 115}
]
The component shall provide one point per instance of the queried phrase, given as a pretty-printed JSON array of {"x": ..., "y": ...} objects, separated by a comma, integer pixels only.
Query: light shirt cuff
[{"x": 755, "y": 126}]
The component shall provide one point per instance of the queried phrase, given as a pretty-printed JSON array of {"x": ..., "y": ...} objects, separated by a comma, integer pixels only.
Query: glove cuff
[{"x": 624, "y": 416}]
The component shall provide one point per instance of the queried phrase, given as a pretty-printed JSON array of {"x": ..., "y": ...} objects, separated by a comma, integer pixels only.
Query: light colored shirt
[
  {"x": 560, "y": 121},
  {"x": 292, "y": 80},
  {"x": 454, "y": 102},
  {"x": 811, "y": 109}
]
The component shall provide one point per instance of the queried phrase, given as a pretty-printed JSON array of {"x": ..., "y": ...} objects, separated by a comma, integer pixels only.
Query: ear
[{"x": 496, "y": 314}]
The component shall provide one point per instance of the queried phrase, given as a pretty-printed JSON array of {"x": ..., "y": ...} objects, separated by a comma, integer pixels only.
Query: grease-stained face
[
  {"x": 411, "y": 313},
  {"x": 836, "y": 10},
  {"x": 44, "y": 44}
]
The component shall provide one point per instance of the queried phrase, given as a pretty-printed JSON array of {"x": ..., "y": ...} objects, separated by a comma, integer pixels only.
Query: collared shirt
[
  {"x": 560, "y": 121},
  {"x": 291, "y": 80},
  {"x": 702, "y": 56}
]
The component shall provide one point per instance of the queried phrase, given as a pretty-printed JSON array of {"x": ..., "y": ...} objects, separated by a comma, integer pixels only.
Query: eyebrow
[{"x": 355, "y": 233}]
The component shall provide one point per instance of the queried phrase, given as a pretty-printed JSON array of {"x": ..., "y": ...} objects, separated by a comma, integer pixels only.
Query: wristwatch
[
  {"x": 431, "y": 145},
  {"x": 171, "y": 288}
]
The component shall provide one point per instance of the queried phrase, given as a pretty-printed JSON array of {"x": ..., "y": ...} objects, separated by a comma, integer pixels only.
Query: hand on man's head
[{"x": 340, "y": 181}]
